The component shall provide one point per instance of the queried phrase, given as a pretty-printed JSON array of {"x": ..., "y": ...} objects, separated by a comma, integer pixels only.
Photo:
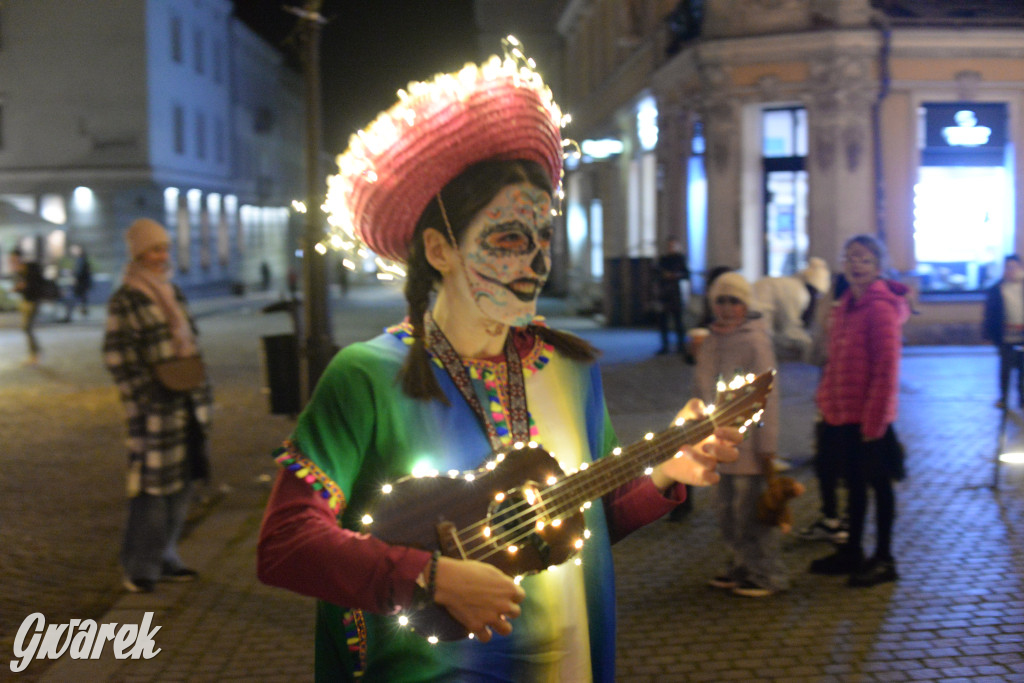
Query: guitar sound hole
[{"x": 513, "y": 522}]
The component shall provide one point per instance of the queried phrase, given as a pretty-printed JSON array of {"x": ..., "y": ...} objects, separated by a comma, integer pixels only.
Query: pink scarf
[{"x": 157, "y": 286}]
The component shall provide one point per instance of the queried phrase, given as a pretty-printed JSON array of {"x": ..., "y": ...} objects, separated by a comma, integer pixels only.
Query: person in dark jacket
[
  {"x": 670, "y": 272},
  {"x": 79, "y": 295},
  {"x": 1003, "y": 325},
  {"x": 29, "y": 283}
]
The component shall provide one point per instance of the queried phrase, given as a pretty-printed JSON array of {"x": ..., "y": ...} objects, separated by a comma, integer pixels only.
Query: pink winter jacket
[{"x": 860, "y": 381}]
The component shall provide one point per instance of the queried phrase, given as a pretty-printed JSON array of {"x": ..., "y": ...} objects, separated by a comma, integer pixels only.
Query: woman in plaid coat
[{"x": 148, "y": 322}]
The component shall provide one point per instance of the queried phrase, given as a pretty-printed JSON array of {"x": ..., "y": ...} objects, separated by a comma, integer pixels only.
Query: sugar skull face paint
[{"x": 507, "y": 254}]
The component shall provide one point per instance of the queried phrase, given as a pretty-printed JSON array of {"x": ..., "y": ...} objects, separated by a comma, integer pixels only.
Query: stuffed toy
[{"x": 773, "y": 505}]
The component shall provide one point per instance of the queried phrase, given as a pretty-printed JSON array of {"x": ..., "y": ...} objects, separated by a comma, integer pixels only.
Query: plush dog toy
[{"x": 773, "y": 505}]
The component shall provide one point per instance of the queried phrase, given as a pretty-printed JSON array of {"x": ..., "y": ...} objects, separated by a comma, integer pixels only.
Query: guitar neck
[{"x": 626, "y": 464}]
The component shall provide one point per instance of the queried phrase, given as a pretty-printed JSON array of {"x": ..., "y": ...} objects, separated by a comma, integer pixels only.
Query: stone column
[
  {"x": 720, "y": 113},
  {"x": 675, "y": 131},
  {"x": 841, "y": 177}
]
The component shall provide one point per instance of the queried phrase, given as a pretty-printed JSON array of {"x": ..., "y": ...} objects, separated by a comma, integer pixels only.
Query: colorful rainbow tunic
[{"x": 360, "y": 430}]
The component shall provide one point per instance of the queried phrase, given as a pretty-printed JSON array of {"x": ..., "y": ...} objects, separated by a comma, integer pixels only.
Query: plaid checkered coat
[{"x": 138, "y": 336}]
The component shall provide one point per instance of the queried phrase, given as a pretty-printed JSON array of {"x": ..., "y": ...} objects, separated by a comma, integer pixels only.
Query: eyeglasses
[
  {"x": 860, "y": 261},
  {"x": 728, "y": 301}
]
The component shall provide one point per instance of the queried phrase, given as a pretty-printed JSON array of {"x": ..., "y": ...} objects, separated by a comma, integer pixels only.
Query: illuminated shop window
[
  {"x": 784, "y": 152},
  {"x": 963, "y": 198}
]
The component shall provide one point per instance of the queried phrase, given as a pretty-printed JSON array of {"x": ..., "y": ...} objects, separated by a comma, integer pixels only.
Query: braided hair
[{"x": 463, "y": 198}]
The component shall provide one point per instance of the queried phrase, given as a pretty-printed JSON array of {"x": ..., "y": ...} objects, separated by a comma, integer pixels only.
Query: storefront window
[{"x": 963, "y": 213}]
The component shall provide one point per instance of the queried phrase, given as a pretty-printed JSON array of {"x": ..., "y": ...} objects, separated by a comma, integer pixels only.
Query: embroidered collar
[{"x": 535, "y": 354}]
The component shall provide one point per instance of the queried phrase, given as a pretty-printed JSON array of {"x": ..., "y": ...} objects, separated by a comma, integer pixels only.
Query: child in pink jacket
[{"x": 857, "y": 398}]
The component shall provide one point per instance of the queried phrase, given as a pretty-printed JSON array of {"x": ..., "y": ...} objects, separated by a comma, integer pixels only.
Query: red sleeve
[
  {"x": 637, "y": 504},
  {"x": 302, "y": 548}
]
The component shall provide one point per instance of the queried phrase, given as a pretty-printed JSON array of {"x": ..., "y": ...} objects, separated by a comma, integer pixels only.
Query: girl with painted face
[{"x": 469, "y": 373}]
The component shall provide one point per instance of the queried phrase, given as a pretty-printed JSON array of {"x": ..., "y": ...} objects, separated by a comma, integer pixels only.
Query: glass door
[{"x": 784, "y": 153}]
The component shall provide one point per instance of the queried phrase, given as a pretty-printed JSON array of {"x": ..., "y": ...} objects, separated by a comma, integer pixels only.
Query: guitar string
[{"x": 617, "y": 465}]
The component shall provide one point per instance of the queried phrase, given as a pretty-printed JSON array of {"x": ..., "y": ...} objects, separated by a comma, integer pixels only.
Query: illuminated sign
[
  {"x": 601, "y": 149},
  {"x": 964, "y": 134}
]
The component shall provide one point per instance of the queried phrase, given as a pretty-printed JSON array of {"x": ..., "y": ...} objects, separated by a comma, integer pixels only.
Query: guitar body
[{"x": 463, "y": 518}]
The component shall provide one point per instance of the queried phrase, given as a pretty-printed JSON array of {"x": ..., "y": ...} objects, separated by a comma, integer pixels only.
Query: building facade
[
  {"x": 111, "y": 110},
  {"x": 764, "y": 132}
]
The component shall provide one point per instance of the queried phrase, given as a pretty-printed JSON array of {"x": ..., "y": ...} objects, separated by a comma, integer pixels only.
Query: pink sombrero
[{"x": 392, "y": 169}]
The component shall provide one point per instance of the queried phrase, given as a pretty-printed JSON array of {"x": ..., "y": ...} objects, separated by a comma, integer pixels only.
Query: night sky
[{"x": 370, "y": 49}]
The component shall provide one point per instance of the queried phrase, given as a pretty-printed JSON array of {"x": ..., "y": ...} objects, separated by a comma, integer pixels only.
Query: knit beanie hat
[
  {"x": 816, "y": 274},
  {"x": 144, "y": 234},
  {"x": 731, "y": 284}
]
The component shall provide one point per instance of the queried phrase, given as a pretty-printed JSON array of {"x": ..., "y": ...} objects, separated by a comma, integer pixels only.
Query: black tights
[{"x": 841, "y": 452}]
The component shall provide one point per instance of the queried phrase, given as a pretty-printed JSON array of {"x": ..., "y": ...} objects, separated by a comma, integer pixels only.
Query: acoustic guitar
[{"x": 521, "y": 512}]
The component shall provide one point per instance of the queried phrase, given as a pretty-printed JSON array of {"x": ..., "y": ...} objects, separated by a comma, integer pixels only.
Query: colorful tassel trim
[{"x": 289, "y": 458}]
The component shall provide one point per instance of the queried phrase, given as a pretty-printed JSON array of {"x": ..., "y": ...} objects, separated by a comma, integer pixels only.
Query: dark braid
[
  {"x": 418, "y": 380},
  {"x": 463, "y": 198}
]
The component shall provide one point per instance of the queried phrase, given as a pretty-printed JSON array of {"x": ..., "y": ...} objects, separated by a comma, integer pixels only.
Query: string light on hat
[{"x": 392, "y": 169}]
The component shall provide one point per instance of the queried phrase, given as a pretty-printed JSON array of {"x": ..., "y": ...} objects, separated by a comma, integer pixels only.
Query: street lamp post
[{"x": 315, "y": 345}]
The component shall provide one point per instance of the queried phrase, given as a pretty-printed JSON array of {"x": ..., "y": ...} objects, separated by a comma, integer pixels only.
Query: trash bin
[{"x": 281, "y": 363}]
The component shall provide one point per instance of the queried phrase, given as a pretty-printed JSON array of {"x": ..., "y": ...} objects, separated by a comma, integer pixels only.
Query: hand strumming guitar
[
  {"x": 478, "y": 595},
  {"x": 697, "y": 466}
]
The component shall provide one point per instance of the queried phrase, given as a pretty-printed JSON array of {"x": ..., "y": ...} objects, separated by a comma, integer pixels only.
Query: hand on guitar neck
[{"x": 698, "y": 464}]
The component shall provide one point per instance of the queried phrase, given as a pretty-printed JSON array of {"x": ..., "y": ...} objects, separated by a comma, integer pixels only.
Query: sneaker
[
  {"x": 874, "y": 572},
  {"x": 780, "y": 465},
  {"x": 180, "y": 575},
  {"x": 139, "y": 585},
  {"x": 724, "y": 581},
  {"x": 825, "y": 529},
  {"x": 840, "y": 562},
  {"x": 749, "y": 589}
]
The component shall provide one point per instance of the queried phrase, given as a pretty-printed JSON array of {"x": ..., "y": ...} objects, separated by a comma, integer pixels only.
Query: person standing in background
[
  {"x": 148, "y": 323},
  {"x": 740, "y": 344},
  {"x": 29, "y": 283},
  {"x": 82, "y": 274},
  {"x": 857, "y": 397},
  {"x": 670, "y": 273},
  {"x": 1003, "y": 325}
]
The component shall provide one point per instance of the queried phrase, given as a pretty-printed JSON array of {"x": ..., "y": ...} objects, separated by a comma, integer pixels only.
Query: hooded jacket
[
  {"x": 745, "y": 349},
  {"x": 860, "y": 381}
]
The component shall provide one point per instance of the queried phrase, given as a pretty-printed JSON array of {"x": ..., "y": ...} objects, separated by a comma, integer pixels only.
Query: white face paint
[{"x": 507, "y": 254}]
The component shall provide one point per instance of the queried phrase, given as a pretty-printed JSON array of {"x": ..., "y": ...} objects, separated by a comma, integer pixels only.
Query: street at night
[{"x": 955, "y": 613}]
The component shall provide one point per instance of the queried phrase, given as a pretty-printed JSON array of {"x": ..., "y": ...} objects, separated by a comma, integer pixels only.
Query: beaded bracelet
[{"x": 432, "y": 575}]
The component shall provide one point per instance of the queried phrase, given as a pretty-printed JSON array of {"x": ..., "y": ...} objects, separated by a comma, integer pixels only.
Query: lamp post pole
[{"x": 316, "y": 345}]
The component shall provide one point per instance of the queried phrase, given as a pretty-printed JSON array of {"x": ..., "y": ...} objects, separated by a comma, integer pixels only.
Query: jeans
[
  {"x": 151, "y": 537},
  {"x": 1011, "y": 358},
  {"x": 753, "y": 544}
]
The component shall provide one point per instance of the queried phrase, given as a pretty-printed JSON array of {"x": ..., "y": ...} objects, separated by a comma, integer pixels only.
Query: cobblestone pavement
[{"x": 956, "y": 613}]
